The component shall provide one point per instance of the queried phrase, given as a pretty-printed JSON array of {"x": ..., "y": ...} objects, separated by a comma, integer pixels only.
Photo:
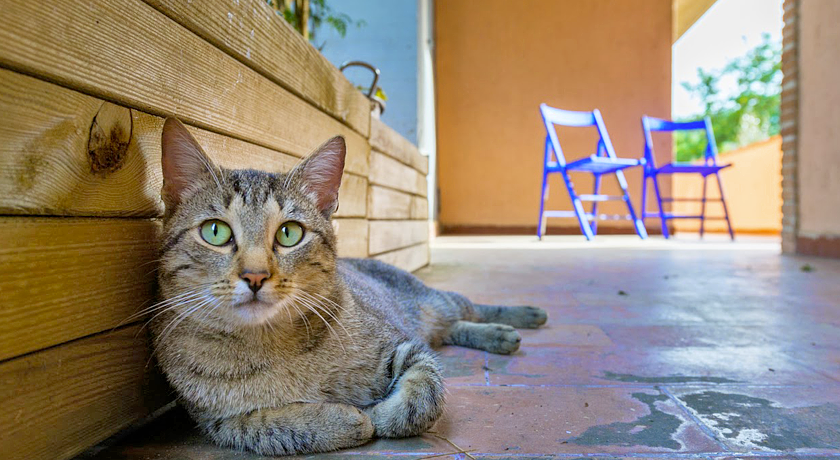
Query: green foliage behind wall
[{"x": 751, "y": 115}]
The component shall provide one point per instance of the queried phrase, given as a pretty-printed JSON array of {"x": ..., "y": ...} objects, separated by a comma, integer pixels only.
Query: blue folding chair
[
  {"x": 600, "y": 163},
  {"x": 708, "y": 168}
]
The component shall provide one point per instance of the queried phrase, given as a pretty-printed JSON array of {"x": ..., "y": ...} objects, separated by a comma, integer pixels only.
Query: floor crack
[{"x": 703, "y": 427}]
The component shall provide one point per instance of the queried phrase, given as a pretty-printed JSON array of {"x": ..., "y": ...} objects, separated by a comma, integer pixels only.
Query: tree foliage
[
  {"x": 750, "y": 115},
  {"x": 308, "y": 16}
]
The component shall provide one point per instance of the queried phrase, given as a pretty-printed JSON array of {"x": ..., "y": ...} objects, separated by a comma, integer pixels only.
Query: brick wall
[{"x": 789, "y": 126}]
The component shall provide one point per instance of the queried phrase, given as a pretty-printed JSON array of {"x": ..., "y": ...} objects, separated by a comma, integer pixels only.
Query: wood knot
[{"x": 110, "y": 134}]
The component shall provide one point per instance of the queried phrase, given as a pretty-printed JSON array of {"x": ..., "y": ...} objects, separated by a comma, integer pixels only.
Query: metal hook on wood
[{"x": 368, "y": 66}]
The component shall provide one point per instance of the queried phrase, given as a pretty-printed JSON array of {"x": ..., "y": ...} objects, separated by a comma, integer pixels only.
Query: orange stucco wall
[
  {"x": 497, "y": 60},
  {"x": 819, "y": 119},
  {"x": 752, "y": 186}
]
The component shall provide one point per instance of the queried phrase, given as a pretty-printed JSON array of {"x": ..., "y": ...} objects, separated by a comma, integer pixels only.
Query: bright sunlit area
[{"x": 728, "y": 66}]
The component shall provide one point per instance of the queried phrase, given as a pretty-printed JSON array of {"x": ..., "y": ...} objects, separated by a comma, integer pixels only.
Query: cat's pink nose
[{"x": 254, "y": 279}]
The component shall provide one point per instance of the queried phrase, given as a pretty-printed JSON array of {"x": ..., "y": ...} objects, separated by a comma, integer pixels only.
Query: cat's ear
[
  {"x": 320, "y": 174},
  {"x": 184, "y": 163}
]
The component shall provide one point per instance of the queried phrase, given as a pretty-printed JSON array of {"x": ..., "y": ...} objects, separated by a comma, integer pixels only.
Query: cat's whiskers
[
  {"x": 163, "y": 334},
  {"x": 319, "y": 304},
  {"x": 270, "y": 325},
  {"x": 206, "y": 314},
  {"x": 182, "y": 316},
  {"x": 327, "y": 300},
  {"x": 158, "y": 305},
  {"x": 169, "y": 308},
  {"x": 176, "y": 299},
  {"x": 326, "y": 310},
  {"x": 153, "y": 261},
  {"x": 286, "y": 290},
  {"x": 183, "y": 297},
  {"x": 303, "y": 317},
  {"x": 289, "y": 312},
  {"x": 174, "y": 304},
  {"x": 310, "y": 306}
]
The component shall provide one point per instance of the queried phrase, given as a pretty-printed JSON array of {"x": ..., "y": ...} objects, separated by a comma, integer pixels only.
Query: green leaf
[{"x": 751, "y": 115}]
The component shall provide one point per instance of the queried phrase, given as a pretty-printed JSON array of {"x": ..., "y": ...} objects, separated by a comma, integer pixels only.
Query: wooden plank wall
[
  {"x": 397, "y": 200},
  {"x": 84, "y": 89}
]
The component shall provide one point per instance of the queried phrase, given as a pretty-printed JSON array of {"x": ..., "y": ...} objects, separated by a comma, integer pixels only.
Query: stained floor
[{"x": 654, "y": 349}]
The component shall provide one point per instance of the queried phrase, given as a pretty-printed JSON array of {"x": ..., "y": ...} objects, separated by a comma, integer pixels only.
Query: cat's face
[{"x": 241, "y": 246}]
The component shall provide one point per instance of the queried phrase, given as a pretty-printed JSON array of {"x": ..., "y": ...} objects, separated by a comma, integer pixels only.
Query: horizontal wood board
[
  {"x": 254, "y": 34},
  {"x": 47, "y": 165},
  {"x": 146, "y": 61}
]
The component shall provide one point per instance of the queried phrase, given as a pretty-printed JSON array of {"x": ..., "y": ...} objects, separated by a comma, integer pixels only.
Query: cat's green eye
[
  {"x": 215, "y": 232},
  {"x": 289, "y": 234}
]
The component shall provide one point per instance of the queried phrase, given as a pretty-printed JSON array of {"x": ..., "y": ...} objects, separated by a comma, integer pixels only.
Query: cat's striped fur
[{"x": 329, "y": 353}]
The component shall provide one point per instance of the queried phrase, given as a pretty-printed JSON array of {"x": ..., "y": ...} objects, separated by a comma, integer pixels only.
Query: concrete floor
[{"x": 653, "y": 349}]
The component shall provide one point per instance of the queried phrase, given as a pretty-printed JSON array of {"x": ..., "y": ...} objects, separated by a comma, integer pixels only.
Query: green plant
[
  {"x": 308, "y": 16},
  {"x": 751, "y": 115}
]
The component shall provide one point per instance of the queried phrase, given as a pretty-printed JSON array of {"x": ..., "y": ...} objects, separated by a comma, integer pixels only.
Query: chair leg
[
  {"x": 638, "y": 223},
  {"x": 543, "y": 197},
  {"x": 597, "y": 190},
  {"x": 703, "y": 208},
  {"x": 585, "y": 228},
  {"x": 662, "y": 216},
  {"x": 644, "y": 195},
  {"x": 725, "y": 210}
]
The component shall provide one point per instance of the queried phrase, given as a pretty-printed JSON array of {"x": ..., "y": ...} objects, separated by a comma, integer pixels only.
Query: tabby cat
[{"x": 272, "y": 342}]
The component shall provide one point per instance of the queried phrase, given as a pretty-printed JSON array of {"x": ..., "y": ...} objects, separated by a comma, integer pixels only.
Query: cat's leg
[
  {"x": 416, "y": 400},
  {"x": 297, "y": 428},
  {"x": 520, "y": 317},
  {"x": 493, "y": 337}
]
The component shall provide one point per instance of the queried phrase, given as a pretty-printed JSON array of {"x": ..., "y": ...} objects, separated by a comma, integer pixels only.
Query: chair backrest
[
  {"x": 552, "y": 116},
  {"x": 651, "y": 124}
]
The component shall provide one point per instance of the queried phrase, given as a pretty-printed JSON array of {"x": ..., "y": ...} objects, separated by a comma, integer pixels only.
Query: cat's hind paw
[
  {"x": 500, "y": 339},
  {"x": 527, "y": 317}
]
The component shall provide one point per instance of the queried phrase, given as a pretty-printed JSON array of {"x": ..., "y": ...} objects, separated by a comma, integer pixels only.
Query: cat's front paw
[
  {"x": 418, "y": 398},
  {"x": 408, "y": 412},
  {"x": 362, "y": 429}
]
